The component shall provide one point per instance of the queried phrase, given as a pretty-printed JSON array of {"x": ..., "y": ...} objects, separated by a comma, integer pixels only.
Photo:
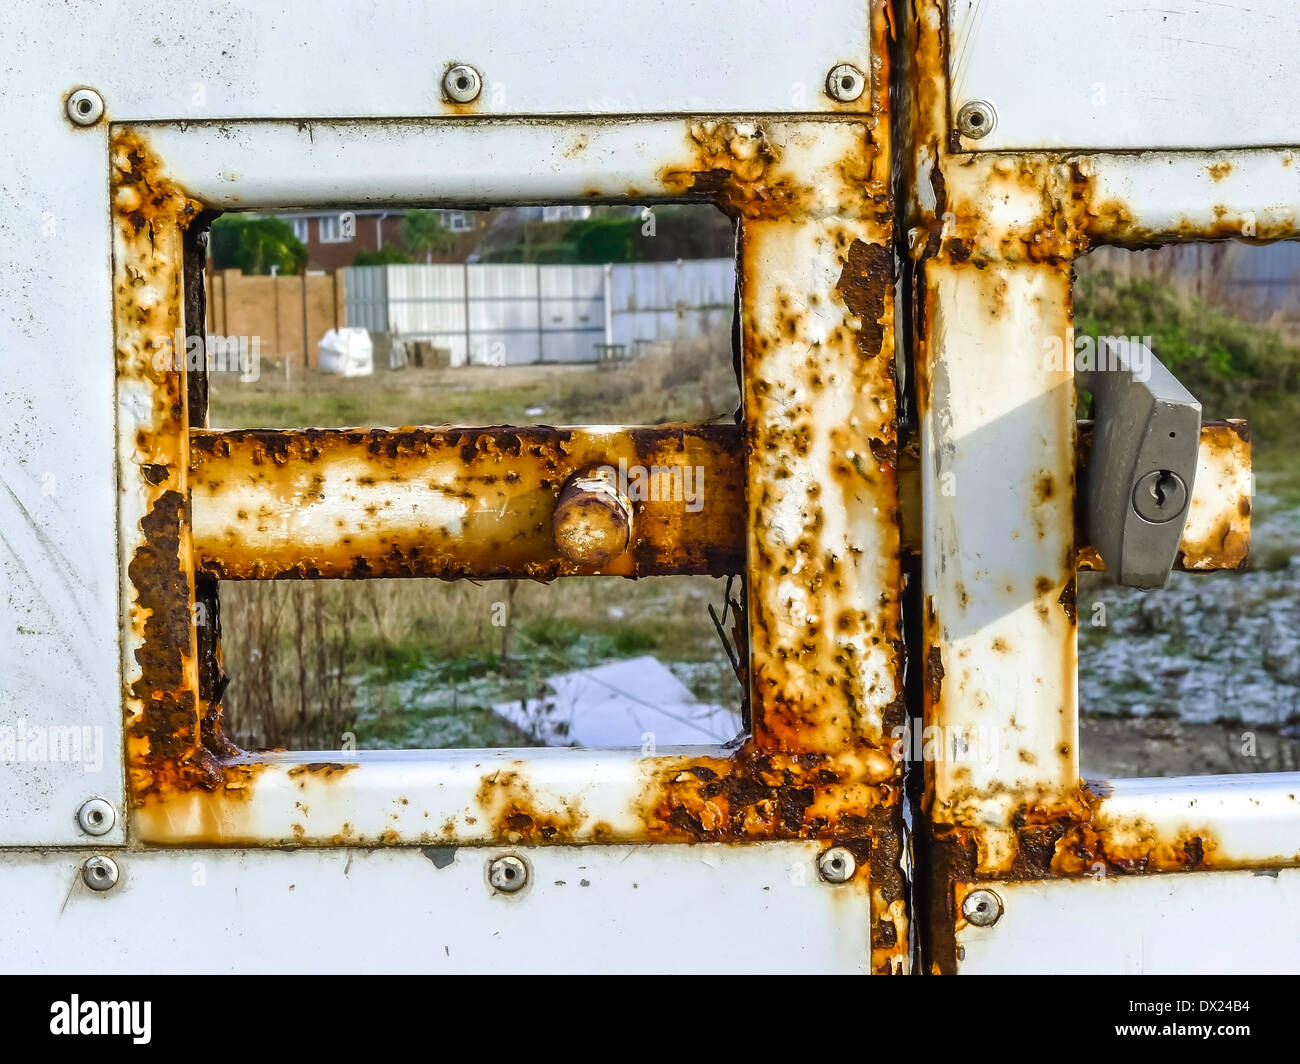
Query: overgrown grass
[
  {"x": 416, "y": 637},
  {"x": 1237, "y": 368}
]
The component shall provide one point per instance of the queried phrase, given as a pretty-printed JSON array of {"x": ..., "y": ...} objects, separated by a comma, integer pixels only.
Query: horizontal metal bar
[
  {"x": 1217, "y": 533},
  {"x": 454, "y": 502},
  {"x": 479, "y": 502}
]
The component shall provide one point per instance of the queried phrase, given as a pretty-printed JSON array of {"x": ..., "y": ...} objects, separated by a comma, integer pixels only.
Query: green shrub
[{"x": 255, "y": 244}]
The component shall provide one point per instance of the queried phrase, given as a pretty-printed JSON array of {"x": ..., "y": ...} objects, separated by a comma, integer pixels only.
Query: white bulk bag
[{"x": 347, "y": 352}]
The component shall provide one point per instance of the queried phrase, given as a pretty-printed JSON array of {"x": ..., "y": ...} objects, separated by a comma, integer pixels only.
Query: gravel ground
[{"x": 1181, "y": 680}]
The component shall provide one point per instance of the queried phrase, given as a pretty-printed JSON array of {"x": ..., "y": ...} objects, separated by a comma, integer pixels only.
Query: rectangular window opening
[
  {"x": 526, "y": 316},
  {"x": 1203, "y": 675}
]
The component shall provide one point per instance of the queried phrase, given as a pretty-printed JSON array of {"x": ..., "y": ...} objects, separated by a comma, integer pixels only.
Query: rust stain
[
  {"x": 476, "y": 503},
  {"x": 868, "y": 272},
  {"x": 167, "y": 744},
  {"x": 737, "y": 166},
  {"x": 933, "y": 675}
]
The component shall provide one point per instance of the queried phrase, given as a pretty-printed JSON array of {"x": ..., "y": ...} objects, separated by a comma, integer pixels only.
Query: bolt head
[
  {"x": 99, "y": 873},
  {"x": 462, "y": 83},
  {"x": 85, "y": 107},
  {"x": 508, "y": 874},
  {"x": 976, "y": 119},
  {"x": 592, "y": 523},
  {"x": 845, "y": 83},
  {"x": 96, "y": 817},
  {"x": 982, "y": 908},
  {"x": 837, "y": 865}
]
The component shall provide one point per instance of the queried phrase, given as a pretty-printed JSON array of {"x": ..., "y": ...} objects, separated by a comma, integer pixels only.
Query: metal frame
[
  {"x": 992, "y": 237},
  {"x": 812, "y": 201},
  {"x": 832, "y": 501}
]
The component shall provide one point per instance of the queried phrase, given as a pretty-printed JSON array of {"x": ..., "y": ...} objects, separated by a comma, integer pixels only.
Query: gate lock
[{"x": 1142, "y": 466}]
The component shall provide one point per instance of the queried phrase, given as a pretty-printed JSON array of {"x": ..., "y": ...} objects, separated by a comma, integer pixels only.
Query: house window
[
  {"x": 566, "y": 212},
  {"x": 455, "y": 221},
  {"x": 333, "y": 229},
  {"x": 299, "y": 227}
]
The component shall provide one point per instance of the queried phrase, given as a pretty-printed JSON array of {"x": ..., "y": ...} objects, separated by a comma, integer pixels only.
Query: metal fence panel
[
  {"x": 671, "y": 300},
  {"x": 428, "y": 303},
  {"x": 365, "y": 297},
  {"x": 572, "y": 304},
  {"x": 520, "y": 314}
]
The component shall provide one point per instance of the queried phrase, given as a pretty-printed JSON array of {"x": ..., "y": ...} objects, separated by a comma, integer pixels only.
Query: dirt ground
[{"x": 1120, "y": 748}]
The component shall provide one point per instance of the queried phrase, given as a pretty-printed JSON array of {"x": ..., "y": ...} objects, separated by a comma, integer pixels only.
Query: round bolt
[
  {"x": 976, "y": 119},
  {"x": 99, "y": 873},
  {"x": 507, "y": 874},
  {"x": 845, "y": 83},
  {"x": 96, "y": 817},
  {"x": 837, "y": 865},
  {"x": 85, "y": 107},
  {"x": 982, "y": 908},
  {"x": 1159, "y": 496},
  {"x": 462, "y": 83},
  {"x": 593, "y": 519}
]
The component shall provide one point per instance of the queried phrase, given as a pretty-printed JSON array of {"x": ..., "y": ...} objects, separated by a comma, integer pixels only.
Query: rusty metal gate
[{"x": 874, "y": 590}]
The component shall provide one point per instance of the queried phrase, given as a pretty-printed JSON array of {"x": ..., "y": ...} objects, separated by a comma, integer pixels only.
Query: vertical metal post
[
  {"x": 465, "y": 290},
  {"x": 541, "y": 349},
  {"x": 609, "y": 303},
  {"x": 306, "y": 351}
]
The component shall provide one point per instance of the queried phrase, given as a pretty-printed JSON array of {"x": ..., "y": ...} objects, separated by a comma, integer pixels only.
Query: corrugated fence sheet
[{"x": 508, "y": 314}]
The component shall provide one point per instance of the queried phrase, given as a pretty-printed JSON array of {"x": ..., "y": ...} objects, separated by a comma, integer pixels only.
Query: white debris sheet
[{"x": 637, "y": 702}]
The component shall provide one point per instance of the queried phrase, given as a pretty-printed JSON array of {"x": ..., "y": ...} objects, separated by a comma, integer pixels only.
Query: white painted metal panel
[
  {"x": 379, "y": 58},
  {"x": 998, "y": 545},
  {"x": 1110, "y": 74},
  {"x": 739, "y": 908},
  {"x": 257, "y": 165},
  {"x": 1252, "y": 819},
  {"x": 1212, "y": 923},
  {"x": 59, "y": 647}
]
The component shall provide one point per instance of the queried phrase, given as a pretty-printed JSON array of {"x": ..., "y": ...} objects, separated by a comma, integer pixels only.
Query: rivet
[
  {"x": 976, "y": 119},
  {"x": 982, "y": 908},
  {"x": 99, "y": 873},
  {"x": 85, "y": 107},
  {"x": 507, "y": 874},
  {"x": 845, "y": 83},
  {"x": 96, "y": 817},
  {"x": 837, "y": 865},
  {"x": 462, "y": 83}
]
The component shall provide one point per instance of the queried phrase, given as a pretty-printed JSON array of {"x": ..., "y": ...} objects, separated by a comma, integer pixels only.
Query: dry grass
[{"x": 689, "y": 380}]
